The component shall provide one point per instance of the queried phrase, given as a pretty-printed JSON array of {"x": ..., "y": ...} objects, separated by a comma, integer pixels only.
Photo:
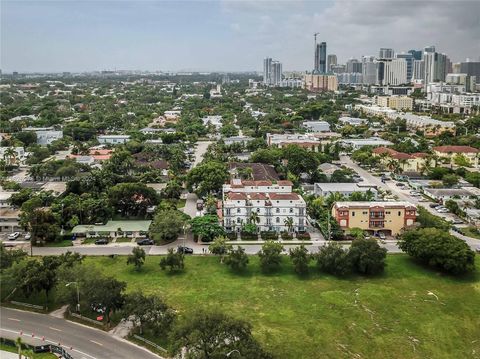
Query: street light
[
  {"x": 233, "y": 351},
  {"x": 78, "y": 295}
]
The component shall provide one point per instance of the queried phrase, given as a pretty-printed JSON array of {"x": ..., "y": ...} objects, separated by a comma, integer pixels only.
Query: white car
[
  {"x": 28, "y": 236},
  {"x": 13, "y": 236},
  {"x": 443, "y": 210},
  {"x": 382, "y": 236}
]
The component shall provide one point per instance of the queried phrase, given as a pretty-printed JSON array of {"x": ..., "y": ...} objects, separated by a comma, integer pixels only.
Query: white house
[
  {"x": 45, "y": 135},
  {"x": 352, "y": 121},
  {"x": 215, "y": 121},
  {"x": 345, "y": 189},
  {"x": 274, "y": 203},
  {"x": 317, "y": 126},
  {"x": 113, "y": 139},
  {"x": 356, "y": 143}
]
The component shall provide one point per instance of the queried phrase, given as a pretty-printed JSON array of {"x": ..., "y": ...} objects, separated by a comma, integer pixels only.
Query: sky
[{"x": 69, "y": 35}]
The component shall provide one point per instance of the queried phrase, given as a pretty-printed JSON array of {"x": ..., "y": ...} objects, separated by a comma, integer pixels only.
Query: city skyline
[{"x": 210, "y": 36}]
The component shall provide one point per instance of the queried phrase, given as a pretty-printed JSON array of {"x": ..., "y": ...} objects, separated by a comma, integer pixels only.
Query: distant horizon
[{"x": 88, "y": 36}]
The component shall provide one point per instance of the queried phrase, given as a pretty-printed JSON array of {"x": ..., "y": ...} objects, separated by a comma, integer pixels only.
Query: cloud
[{"x": 356, "y": 28}]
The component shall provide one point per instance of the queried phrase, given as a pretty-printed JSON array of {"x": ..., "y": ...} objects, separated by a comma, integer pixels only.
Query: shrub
[
  {"x": 247, "y": 236},
  {"x": 286, "y": 236},
  {"x": 438, "y": 249},
  {"x": 303, "y": 236},
  {"x": 367, "y": 257},
  {"x": 269, "y": 235},
  {"x": 270, "y": 256},
  {"x": 333, "y": 259}
]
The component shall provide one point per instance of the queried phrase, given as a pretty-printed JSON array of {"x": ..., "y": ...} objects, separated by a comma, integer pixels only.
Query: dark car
[
  {"x": 101, "y": 241},
  {"x": 184, "y": 250},
  {"x": 146, "y": 242}
]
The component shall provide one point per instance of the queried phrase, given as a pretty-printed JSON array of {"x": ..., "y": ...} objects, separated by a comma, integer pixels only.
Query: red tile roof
[
  {"x": 398, "y": 155},
  {"x": 284, "y": 183},
  {"x": 235, "y": 196},
  {"x": 283, "y": 196},
  {"x": 456, "y": 149}
]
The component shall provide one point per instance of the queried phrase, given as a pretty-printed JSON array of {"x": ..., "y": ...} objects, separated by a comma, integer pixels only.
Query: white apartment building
[
  {"x": 45, "y": 135},
  {"x": 392, "y": 71},
  {"x": 274, "y": 203},
  {"x": 356, "y": 143},
  {"x": 113, "y": 139}
]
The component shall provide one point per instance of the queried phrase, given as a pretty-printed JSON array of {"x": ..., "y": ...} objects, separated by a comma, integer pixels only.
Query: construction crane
[{"x": 315, "y": 37}]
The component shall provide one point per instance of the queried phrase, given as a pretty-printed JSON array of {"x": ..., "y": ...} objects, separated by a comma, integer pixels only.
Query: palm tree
[
  {"x": 254, "y": 217},
  {"x": 10, "y": 154},
  {"x": 289, "y": 224}
]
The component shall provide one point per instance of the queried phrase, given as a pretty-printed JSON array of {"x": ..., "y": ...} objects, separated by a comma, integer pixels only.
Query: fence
[
  {"x": 90, "y": 320},
  {"x": 28, "y": 305},
  {"x": 149, "y": 342}
]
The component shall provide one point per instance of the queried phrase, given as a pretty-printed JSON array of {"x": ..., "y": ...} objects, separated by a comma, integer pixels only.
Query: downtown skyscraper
[{"x": 320, "y": 61}]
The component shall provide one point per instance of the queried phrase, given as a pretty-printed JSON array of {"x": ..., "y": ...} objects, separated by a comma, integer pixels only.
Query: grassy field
[
  {"x": 322, "y": 316},
  {"x": 470, "y": 232},
  {"x": 64, "y": 243}
]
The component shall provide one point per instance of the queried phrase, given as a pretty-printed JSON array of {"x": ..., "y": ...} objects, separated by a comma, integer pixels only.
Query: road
[
  {"x": 200, "y": 150},
  {"x": 404, "y": 195},
  {"x": 79, "y": 340}
]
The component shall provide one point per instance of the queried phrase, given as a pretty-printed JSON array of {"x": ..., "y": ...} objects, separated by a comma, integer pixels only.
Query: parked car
[
  {"x": 433, "y": 205},
  {"x": 382, "y": 236},
  {"x": 146, "y": 242},
  {"x": 443, "y": 210},
  {"x": 457, "y": 221},
  {"x": 184, "y": 250},
  {"x": 101, "y": 241},
  {"x": 400, "y": 184},
  {"x": 13, "y": 236},
  {"x": 28, "y": 236}
]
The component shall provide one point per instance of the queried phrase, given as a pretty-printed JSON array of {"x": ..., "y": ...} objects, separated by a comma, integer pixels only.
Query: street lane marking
[
  {"x": 58, "y": 330},
  {"x": 93, "y": 341},
  {"x": 14, "y": 319}
]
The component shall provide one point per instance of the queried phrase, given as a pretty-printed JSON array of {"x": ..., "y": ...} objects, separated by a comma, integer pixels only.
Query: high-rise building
[
  {"x": 320, "y": 66},
  {"x": 320, "y": 83},
  {"x": 369, "y": 70},
  {"x": 436, "y": 67},
  {"x": 418, "y": 70},
  {"x": 471, "y": 68},
  {"x": 353, "y": 65},
  {"x": 409, "y": 59},
  {"x": 386, "y": 53},
  {"x": 392, "y": 72},
  {"x": 276, "y": 73},
  {"x": 417, "y": 54},
  {"x": 430, "y": 48},
  {"x": 267, "y": 70},
  {"x": 337, "y": 69},
  {"x": 331, "y": 61}
]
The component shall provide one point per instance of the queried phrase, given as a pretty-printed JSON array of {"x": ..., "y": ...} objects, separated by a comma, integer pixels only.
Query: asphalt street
[{"x": 79, "y": 340}]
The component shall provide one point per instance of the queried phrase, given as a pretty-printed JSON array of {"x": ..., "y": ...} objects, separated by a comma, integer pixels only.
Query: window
[
  {"x": 278, "y": 210},
  {"x": 399, "y": 213},
  {"x": 239, "y": 220},
  {"x": 238, "y": 210},
  {"x": 291, "y": 210},
  {"x": 353, "y": 214},
  {"x": 227, "y": 211},
  {"x": 277, "y": 220},
  {"x": 301, "y": 211},
  {"x": 387, "y": 212},
  {"x": 258, "y": 210},
  {"x": 364, "y": 212}
]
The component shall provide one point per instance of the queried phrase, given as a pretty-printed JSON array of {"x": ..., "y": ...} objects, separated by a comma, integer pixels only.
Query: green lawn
[
  {"x": 470, "y": 232},
  {"x": 64, "y": 243},
  {"x": 322, "y": 316},
  {"x": 181, "y": 203},
  {"x": 123, "y": 240}
]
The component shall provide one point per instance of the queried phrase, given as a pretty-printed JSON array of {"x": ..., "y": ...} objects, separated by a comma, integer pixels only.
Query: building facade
[
  {"x": 320, "y": 83},
  {"x": 375, "y": 217},
  {"x": 274, "y": 205}
]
